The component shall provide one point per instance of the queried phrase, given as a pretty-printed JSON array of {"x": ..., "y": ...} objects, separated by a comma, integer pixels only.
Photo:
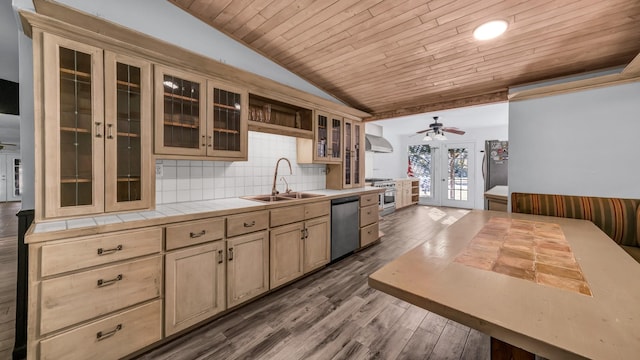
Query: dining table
[{"x": 556, "y": 287}]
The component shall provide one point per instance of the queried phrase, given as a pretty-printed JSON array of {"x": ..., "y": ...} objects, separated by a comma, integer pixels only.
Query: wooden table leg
[{"x": 500, "y": 350}]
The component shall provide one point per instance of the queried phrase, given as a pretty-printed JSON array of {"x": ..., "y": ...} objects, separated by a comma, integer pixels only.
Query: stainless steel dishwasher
[{"x": 345, "y": 237}]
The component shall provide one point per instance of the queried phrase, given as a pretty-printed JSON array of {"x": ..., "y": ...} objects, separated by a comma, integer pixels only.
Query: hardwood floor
[
  {"x": 334, "y": 314},
  {"x": 8, "y": 257}
]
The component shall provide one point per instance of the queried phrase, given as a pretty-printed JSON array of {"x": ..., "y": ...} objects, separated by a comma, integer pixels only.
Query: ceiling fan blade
[
  {"x": 6, "y": 144},
  {"x": 422, "y": 131},
  {"x": 453, "y": 131}
]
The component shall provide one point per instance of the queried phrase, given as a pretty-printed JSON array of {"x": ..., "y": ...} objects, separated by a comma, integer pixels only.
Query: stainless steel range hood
[{"x": 377, "y": 144}]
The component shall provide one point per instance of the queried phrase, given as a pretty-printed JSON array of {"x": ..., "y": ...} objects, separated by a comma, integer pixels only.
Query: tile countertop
[{"x": 167, "y": 214}]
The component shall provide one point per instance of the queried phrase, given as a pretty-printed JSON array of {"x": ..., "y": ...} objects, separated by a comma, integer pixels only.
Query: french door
[{"x": 445, "y": 172}]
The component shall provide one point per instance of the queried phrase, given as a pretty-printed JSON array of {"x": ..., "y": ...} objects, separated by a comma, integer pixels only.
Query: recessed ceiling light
[{"x": 490, "y": 30}]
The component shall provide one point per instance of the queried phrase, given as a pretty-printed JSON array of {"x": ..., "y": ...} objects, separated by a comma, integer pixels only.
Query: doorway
[
  {"x": 10, "y": 177},
  {"x": 445, "y": 171}
]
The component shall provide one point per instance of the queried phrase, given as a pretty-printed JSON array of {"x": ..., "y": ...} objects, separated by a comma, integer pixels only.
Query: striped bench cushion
[{"x": 618, "y": 218}]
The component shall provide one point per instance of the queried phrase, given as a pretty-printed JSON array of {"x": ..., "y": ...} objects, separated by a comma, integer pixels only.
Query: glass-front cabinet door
[
  {"x": 358, "y": 154},
  {"x": 226, "y": 121},
  {"x": 128, "y": 133},
  {"x": 347, "y": 162},
  {"x": 179, "y": 112},
  {"x": 328, "y": 138},
  {"x": 73, "y": 125}
]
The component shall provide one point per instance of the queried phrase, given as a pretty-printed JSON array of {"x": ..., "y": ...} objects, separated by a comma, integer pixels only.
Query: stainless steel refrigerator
[{"x": 495, "y": 164}]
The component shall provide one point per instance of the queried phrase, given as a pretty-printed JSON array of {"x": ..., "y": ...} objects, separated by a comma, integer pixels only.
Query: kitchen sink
[{"x": 281, "y": 197}]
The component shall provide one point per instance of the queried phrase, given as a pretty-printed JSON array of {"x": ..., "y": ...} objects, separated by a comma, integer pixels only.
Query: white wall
[{"x": 582, "y": 143}]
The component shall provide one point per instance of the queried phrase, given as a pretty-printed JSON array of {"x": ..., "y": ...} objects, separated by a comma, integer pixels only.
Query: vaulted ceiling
[{"x": 395, "y": 57}]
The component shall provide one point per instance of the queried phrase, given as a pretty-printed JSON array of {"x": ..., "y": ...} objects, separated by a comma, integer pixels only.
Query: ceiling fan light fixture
[
  {"x": 427, "y": 138},
  {"x": 440, "y": 137},
  {"x": 490, "y": 30}
]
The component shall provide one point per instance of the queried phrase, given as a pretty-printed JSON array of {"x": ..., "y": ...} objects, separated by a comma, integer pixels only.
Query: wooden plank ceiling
[{"x": 396, "y": 57}]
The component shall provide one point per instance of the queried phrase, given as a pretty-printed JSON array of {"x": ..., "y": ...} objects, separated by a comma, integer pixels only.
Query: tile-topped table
[{"x": 461, "y": 275}]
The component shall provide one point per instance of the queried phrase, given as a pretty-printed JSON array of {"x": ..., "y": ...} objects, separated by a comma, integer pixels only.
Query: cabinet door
[
  {"x": 317, "y": 243},
  {"x": 194, "y": 285},
  {"x": 179, "y": 112},
  {"x": 226, "y": 122},
  {"x": 247, "y": 267},
  {"x": 358, "y": 154},
  {"x": 347, "y": 161},
  {"x": 286, "y": 253},
  {"x": 335, "y": 127},
  {"x": 128, "y": 161},
  {"x": 328, "y": 137},
  {"x": 73, "y": 128}
]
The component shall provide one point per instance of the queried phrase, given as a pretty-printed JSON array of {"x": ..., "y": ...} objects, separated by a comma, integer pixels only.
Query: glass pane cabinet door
[
  {"x": 227, "y": 122},
  {"x": 322, "y": 136},
  {"x": 336, "y": 138},
  {"x": 357, "y": 155},
  {"x": 128, "y": 132},
  {"x": 347, "y": 155},
  {"x": 73, "y": 127},
  {"x": 180, "y": 114}
]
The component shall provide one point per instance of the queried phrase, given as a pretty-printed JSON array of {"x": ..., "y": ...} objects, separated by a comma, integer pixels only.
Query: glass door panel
[
  {"x": 227, "y": 122},
  {"x": 336, "y": 138},
  {"x": 76, "y": 135},
  {"x": 322, "y": 135},
  {"x": 347, "y": 155},
  {"x": 422, "y": 165},
  {"x": 457, "y": 175},
  {"x": 357, "y": 168},
  {"x": 128, "y": 133}
]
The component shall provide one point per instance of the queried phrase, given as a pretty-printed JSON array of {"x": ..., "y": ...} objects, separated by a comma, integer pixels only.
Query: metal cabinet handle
[
  {"x": 210, "y": 142},
  {"x": 98, "y": 134},
  {"x": 302, "y": 236},
  {"x": 197, "y": 235},
  {"x": 220, "y": 259},
  {"x": 103, "y": 283},
  {"x": 109, "y": 131},
  {"x": 230, "y": 254},
  {"x": 306, "y": 233},
  {"x": 250, "y": 224},
  {"x": 102, "y": 251},
  {"x": 204, "y": 141},
  {"x": 103, "y": 335}
]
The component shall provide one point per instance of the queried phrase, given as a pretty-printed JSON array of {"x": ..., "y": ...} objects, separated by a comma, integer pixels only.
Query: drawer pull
[
  {"x": 230, "y": 254},
  {"x": 302, "y": 236},
  {"x": 197, "y": 235},
  {"x": 102, "y": 283},
  {"x": 306, "y": 233},
  {"x": 103, "y": 335},
  {"x": 250, "y": 224},
  {"x": 102, "y": 251},
  {"x": 220, "y": 259},
  {"x": 369, "y": 212},
  {"x": 98, "y": 135}
]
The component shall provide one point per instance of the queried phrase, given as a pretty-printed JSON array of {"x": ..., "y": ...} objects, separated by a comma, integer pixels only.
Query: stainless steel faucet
[{"x": 274, "y": 191}]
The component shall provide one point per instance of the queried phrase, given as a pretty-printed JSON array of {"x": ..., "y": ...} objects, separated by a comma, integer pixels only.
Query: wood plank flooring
[
  {"x": 334, "y": 314},
  {"x": 8, "y": 273}
]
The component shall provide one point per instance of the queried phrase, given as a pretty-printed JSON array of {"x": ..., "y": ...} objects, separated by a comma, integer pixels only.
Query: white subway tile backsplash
[{"x": 192, "y": 180}]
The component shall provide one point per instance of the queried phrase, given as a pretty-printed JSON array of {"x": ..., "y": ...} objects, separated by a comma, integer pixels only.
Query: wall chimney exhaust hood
[{"x": 377, "y": 144}]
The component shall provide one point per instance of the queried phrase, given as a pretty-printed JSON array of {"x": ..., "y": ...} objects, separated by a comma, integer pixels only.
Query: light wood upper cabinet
[
  {"x": 247, "y": 267},
  {"x": 97, "y": 129},
  {"x": 326, "y": 145},
  {"x": 195, "y": 285},
  {"x": 128, "y": 163},
  {"x": 227, "y": 134},
  {"x": 73, "y": 122},
  {"x": 180, "y": 112},
  {"x": 349, "y": 173}
]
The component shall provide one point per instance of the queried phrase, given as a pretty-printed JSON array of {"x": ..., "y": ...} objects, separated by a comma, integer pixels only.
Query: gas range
[{"x": 387, "y": 199}]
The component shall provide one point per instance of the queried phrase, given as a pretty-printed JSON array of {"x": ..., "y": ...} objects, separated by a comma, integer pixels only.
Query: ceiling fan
[
  {"x": 437, "y": 129},
  {"x": 2, "y": 145}
]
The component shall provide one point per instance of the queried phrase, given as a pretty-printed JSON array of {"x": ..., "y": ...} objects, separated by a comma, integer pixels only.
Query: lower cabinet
[
  {"x": 247, "y": 267},
  {"x": 195, "y": 285},
  {"x": 369, "y": 219},
  {"x": 317, "y": 243}
]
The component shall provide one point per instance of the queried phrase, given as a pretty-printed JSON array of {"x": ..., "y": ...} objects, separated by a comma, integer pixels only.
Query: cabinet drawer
[
  {"x": 98, "y": 250},
  {"x": 368, "y": 234},
  {"x": 369, "y": 199},
  {"x": 70, "y": 299},
  {"x": 194, "y": 232},
  {"x": 246, "y": 223},
  {"x": 109, "y": 338},
  {"x": 368, "y": 215},
  {"x": 287, "y": 215},
  {"x": 317, "y": 209}
]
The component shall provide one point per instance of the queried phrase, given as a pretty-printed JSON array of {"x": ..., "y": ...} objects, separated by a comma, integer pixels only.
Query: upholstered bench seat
[{"x": 618, "y": 218}]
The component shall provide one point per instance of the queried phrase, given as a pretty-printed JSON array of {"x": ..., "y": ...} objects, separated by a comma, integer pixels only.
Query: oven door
[{"x": 387, "y": 203}]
